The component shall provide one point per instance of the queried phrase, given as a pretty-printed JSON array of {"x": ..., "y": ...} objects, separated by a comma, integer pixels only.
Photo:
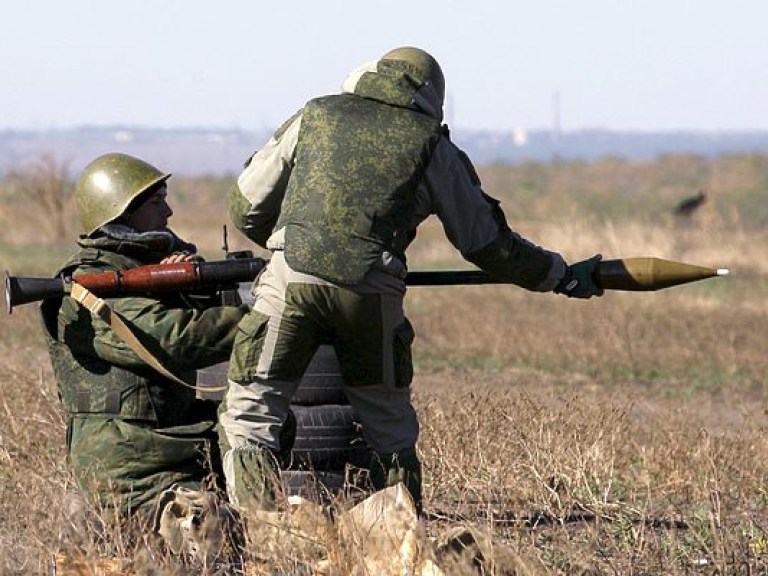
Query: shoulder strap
[{"x": 100, "y": 308}]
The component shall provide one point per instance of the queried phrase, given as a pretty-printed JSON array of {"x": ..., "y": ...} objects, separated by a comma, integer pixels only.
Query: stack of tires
[{"x": 329, "y": 446}]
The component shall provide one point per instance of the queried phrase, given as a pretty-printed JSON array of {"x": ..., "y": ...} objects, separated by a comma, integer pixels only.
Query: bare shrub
[{"x": 42, "y": 194}]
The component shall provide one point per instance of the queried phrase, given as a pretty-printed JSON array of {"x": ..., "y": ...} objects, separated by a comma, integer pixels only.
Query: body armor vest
[{"x": 351, "y": 193}]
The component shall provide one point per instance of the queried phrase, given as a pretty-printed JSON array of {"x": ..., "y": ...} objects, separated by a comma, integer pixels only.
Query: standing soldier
[
  {"x": 337, "y": 195},
  {"x": 131, "y": 432}
]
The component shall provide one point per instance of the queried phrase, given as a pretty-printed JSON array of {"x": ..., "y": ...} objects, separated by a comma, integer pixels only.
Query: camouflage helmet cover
[
  {"x": 424, "y": 63},
  {"x": 108, "y": 186}
]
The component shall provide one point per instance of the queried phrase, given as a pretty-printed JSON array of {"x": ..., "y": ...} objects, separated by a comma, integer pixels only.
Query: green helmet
[
  {"x": 109, "y": 184},
  {"x": 424, "y": 63}
]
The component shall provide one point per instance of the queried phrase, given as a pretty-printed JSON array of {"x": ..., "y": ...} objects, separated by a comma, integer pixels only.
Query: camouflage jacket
[
  {"x": 442, "y": 182},
  {"x": 132, "y": 433}
]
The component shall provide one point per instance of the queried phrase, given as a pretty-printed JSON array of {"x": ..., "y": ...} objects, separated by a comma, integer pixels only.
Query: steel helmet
[
  {"x": 424, "y": 63},
  {"x": 108, "y": 185}
]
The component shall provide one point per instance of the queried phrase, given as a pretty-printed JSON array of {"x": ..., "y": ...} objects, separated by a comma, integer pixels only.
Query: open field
[{"x": 621, "y": 435}]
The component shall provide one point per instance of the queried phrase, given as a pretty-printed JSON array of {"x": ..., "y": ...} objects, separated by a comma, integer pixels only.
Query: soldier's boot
[
  {"x": 252, "y": 471},
  {"x": 253, "y": 477},
  {"x": 388, "y": 469}
]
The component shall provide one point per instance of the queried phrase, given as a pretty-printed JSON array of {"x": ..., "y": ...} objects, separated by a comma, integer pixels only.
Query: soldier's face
[{"x": 153, "y": 213}]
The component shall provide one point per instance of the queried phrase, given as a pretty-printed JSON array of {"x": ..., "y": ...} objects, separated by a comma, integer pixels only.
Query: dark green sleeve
[
  {"x": 513, "y": 259},
  {"x": 181, "y": 338},
  {"x": 475, "y": 223}
]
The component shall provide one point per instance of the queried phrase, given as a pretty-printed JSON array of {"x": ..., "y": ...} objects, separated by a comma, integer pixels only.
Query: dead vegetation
[
  {"x": 625, "y": 435},
  {"x": 43, "y": 193}
]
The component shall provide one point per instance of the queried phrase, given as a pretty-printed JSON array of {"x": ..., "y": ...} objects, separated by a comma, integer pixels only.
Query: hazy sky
[{"x": 616, "y": 64}]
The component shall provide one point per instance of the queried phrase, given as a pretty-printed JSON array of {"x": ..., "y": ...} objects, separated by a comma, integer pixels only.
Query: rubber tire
[
  {"x": 321, "y": 384},
  {"x": 327, "y": 439},
  {"x": 315, "y": 486},
  {"x": 215, "y": 375}
]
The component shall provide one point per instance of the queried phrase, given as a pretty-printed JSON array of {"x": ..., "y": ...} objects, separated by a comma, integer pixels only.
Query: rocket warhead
[{"x": 646, "y": 274}]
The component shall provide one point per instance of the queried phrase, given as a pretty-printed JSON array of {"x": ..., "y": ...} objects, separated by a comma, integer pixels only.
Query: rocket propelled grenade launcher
[
  {"x": 633, "y": 274},
  {"x": 152, "y": 278}
]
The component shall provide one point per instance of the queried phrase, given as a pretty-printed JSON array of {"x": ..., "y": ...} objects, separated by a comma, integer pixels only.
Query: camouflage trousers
[
  {"x": 125, "y": 465},
  {"x": 295, "y": 313}
]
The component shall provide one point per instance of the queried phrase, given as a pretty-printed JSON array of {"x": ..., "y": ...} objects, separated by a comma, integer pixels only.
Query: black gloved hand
[{"x": 580, "y": 280}]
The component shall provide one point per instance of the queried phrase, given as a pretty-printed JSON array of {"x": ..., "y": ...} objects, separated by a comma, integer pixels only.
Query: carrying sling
[{"x": 100, "y": 308}]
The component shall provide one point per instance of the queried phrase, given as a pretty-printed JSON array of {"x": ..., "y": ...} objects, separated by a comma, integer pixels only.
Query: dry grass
[{"x": 624, "y": 435}]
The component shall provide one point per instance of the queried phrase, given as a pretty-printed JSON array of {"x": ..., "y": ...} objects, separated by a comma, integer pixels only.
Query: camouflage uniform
[
  {"x": 130, "y": 432},
  {"x": 337, "y": 194}
]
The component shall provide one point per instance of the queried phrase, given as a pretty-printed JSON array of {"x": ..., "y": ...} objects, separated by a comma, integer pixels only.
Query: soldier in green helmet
[
  {"x": 131, "y": 432},
  {"x": 337, "y": 194}
]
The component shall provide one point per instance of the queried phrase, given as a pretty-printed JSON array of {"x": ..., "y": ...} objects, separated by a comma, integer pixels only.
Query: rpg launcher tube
[
  {"x": 152, "y": 278},
  {"x": 631, "y": 274}
]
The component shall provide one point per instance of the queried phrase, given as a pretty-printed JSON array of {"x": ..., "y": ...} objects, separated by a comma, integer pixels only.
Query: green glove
[{"x": 580, "y": 280}]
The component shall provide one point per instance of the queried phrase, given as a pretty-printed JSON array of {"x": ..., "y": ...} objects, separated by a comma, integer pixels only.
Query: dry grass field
[{"x": 621, "y": 435}]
